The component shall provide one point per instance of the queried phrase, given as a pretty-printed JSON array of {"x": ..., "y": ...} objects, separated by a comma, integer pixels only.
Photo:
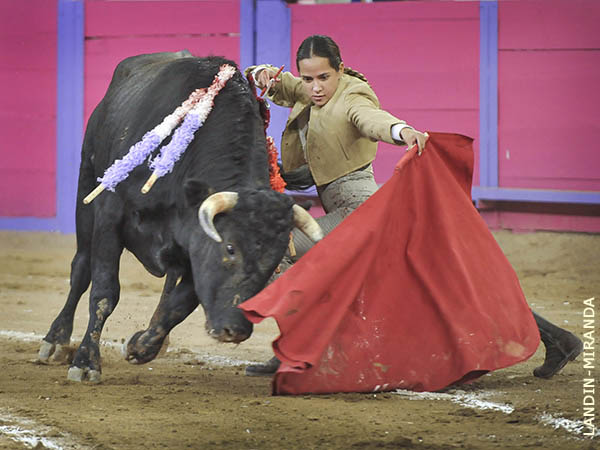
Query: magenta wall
[
  {"x": 28, "y": 40},
  {"x": 422, "y": 59},
  {"x": 116, "y": 30},
  {"x": 549, "y": 72},
  {"x": 519, "y": 77}
]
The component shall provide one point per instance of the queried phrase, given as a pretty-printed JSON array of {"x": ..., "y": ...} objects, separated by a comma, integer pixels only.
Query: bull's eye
[{"x": 230, "y": 249}]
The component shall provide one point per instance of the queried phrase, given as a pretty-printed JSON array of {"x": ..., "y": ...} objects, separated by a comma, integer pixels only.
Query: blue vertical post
[
  {"x": 488, "y": 93},
  {"x": 69, "y": 105},
  {"x": 247, "y": 33},
  {"x": 273, "y": 46},
  {"x": 265, "y": 27}
]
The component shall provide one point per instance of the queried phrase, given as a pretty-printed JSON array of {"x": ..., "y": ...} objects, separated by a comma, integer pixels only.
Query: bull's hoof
[
  {"x": 94, "y": 376},
  {"x": 139, "y": 349},
  {"x": 63, "y": 354},
  {"x": 80, "y": 374},
  {"x": 125, "y": 351},
  {"x": 163, "y": 348},
  {"x": 46, "y": 349},
  {"x": 55, "y": 353}
]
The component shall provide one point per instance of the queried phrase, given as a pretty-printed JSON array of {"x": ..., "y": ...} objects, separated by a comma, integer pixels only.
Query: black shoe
[
  {"x": 263, "y": 370},
  {"x": 561, "y": 347},
  {"x": 284, "y": 265}
]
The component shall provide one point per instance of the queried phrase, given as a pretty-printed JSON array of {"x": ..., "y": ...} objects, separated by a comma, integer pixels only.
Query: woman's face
[{"x": 319, "y": 79}]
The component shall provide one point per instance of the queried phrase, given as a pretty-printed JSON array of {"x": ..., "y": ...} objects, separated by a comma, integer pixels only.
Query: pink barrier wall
[
  {"x": 116, "y": 30},
  {"x": 422, "y": 60},
  {"x": 28, "y": 108},
  {"x": 549, "y": 68}
]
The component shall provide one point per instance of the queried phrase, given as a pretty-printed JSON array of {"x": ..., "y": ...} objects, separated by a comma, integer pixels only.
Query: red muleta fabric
[{"x": 411, "y": 291}]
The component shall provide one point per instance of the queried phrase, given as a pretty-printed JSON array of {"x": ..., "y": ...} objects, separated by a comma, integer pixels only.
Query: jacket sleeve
[
  {"x": 286, "y": 92},
  {"x": 362, "y": 109}
]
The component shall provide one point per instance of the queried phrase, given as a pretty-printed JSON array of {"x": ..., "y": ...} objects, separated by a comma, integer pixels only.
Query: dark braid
[{"x": 354, "y": 73}]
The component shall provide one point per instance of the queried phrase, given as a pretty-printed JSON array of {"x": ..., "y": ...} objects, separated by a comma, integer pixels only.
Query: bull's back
[
  {"x": 227, "y": 151},
  {"x": 144, "y": 62},
  {"x": 144, "y": 90}
]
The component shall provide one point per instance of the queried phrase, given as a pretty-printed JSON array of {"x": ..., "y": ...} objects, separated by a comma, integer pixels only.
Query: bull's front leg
[
  {"x": 55, "y": 346},
  {"x": 104, "y": 296},
  {"x": 172, "y": 309}
]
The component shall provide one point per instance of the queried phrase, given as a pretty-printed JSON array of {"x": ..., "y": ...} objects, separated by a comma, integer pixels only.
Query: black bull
[{"x": 220, "y": 187}]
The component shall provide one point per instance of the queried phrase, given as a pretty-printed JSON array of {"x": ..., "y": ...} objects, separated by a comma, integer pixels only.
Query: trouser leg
[
  {"x": 340, "y": 198},
  {"x": 328, "y": 222}
]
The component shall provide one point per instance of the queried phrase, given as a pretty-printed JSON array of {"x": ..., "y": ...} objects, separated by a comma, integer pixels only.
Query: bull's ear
[{"x": 196, "y": 192}]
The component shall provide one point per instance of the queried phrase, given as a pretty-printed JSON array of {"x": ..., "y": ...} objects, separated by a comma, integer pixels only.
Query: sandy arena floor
[{"x": 196, "y": 396}]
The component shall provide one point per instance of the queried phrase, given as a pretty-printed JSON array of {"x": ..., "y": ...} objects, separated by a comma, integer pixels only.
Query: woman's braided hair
[
  {"x": 325, "y": 47},
  {"x": 356, "y": 74}
]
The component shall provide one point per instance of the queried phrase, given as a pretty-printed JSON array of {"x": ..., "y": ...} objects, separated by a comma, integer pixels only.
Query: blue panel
[
  {"x": 536, "y": 195},
  {"x": 273, "y": 38},
  {"x": 488, "y": 93},
  {"x": 273, "y": 33},
  {"x": 28, "y": 224},
  {"x": 69, "y": 116},
  {"x": 247, "y": 33}
]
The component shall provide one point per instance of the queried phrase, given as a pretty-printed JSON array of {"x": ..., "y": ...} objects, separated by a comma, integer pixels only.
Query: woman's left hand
[{"x": 412, "y": 137}]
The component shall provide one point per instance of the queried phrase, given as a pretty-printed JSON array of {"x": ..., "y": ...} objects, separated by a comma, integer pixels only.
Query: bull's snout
[
  {"x": 232, "y": 335},
  {"x": 230, "y": 332}
]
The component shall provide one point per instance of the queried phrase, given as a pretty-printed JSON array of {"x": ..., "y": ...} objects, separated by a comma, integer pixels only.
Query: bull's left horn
[
  {"x": 213, "y": 205},
  {"x": 307, "y": 224}
]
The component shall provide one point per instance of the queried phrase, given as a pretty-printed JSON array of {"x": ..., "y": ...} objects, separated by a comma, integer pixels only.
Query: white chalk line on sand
[
  {"x": 478, "y": 400},
  {"x": 31, "y": 434},
  {"x": 217, "y": 360},
  {"x": 465, "y": 399}
]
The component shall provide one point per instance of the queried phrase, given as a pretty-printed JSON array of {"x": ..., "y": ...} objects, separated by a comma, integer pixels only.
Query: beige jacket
[{"x": 342, "y": 134}]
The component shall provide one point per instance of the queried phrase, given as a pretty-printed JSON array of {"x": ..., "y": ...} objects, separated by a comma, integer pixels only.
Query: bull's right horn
[
  {"x": 307, "y": 224},
  {"x": 213, "y": 205}
]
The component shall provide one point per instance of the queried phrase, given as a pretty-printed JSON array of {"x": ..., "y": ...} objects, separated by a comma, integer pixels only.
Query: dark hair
[
  {"x": 325, "y": 47},
  {"x": 319, "y": 45}
]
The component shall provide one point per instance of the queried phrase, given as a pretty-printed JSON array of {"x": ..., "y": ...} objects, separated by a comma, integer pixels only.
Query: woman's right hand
[
  {"x": 412, "y": 137},
  {"x": 265, "y": 76}
]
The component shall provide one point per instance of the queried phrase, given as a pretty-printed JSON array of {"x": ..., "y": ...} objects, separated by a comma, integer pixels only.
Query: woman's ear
[{"x": 341, "y": 69}]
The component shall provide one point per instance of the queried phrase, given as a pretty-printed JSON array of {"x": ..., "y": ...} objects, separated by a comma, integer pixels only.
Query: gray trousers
[{"x": 339, "y": 198}]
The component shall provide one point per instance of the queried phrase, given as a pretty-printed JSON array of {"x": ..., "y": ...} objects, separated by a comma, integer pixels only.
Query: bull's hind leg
[
  {"x": 172, "y": 309},
  {"x": 104, "y": 296}
]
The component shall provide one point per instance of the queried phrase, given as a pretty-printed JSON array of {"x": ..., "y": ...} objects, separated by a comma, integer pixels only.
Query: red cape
[{"x": 410, "y": 291}]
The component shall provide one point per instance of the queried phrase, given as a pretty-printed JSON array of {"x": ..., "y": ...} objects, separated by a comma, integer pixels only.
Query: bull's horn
[
  {"x": 307, "y": 224},
  {"x": 213, "y": 205}
]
